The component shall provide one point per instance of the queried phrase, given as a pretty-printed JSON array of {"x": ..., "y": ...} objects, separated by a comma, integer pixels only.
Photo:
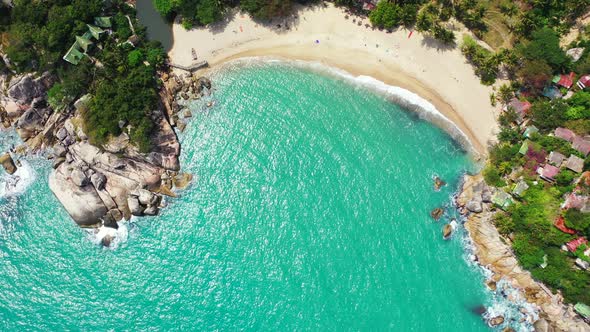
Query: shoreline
[{"x": 323, "y": 35}]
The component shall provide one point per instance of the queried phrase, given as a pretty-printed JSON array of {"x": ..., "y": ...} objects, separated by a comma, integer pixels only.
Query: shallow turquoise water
[{"x": 310, "y": 211}]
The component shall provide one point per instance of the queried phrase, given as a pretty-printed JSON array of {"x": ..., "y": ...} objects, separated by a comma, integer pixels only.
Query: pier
[{"x": 191, "y": 68}]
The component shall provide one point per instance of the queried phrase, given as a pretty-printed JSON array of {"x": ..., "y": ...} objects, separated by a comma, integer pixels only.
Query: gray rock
[
  {"x": 146, "y": 197},
  {"x": 59, "y": 150},
  {"x": 69, "y": 158},
  {"x": 204, "y": 82},
  {"x": 82, "y": 203},
  {"x": 541, "y": 325},
  {"x": 58, "y": 161},
  {"x": 474, "y": 206},
  {"x": 79, "y": 178},
  {"x": 61, "y": 134},
  {"x": 7, "y": 163},
  {"x": 486, "y": 195},
  {"x": 151, "y": 210},
  {"x": 134, "y": 207},
  {"x": 39, "y": 103},
  {"x": 98, "y": 180},
  {"x": 30, "y": 120},
  {"x": 69, "y": 140},
  {"x": 116, "y": 214}
]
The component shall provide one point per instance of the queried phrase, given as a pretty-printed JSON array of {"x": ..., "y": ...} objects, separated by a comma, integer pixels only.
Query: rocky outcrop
[
  {"x": 495, "y": 253},
  {"x": 7, "y": 163}
]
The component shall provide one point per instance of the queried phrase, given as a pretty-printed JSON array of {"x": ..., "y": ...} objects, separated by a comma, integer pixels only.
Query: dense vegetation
[
  {"x": 203, "y": 12},
  {"x": 530, "y": 65},
  {"x": 124, "y": 86}
]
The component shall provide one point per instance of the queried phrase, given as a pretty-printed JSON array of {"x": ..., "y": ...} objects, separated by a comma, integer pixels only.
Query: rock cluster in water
[
  {"x": 98, "y": 186},
  {"x": 495, "y": 253}
]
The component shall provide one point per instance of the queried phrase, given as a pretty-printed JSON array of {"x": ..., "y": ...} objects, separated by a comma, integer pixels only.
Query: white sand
[{"x": 442, "y": 76}]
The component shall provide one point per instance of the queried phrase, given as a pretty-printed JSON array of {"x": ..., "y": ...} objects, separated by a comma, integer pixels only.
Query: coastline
[
  {"x": 494, "y": 253},
  {"x": 323, "y": 35}
]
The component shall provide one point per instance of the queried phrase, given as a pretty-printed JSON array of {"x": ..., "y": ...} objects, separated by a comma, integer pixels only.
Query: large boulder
[
  {"x": 474, "y": 205},
  {"x": 146, "y": 197},
  {"x": 135, "y": 207},
  {"x": 151, "y": 210},
  {"x": 79, "y": 178},
  {"x": 7, "y": 163},
  {"x": 82, "y": 203},
  {"x": 98, "y": 180},
  {"x": 23, "y": 89},
  {"x": 59, "y": 151},
  {"x": 31, "y": 120}
]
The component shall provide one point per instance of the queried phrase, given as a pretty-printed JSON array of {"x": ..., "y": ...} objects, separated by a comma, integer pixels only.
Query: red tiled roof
[
  {"x": 566, "y": 81},
  {"x": 560, "y": 224},
  {"x": 565, "y": 134},
  {"x": 549, "y": 171},
  {"x": 584, "y": 80},
  {"x": 518, "y": 106},
  {"x": 581, "y": 145},
  {"x": 574, "y": 244},
  {"x": 574, "y": 201}
]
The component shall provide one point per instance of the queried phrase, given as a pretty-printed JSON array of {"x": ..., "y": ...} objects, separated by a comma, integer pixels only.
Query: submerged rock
[
  {"x": 447, "y": 231},
  {"x": 7, "y": 163},
  {"x": 438, "y": 183},
  {"x": 437, "y": 213},
  {"x": 151, "y": 210},
  {"x": 498, "y": 320}
]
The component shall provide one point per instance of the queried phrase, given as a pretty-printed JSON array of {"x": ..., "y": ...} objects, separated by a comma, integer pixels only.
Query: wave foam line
[{"x": 17, "y": 183}]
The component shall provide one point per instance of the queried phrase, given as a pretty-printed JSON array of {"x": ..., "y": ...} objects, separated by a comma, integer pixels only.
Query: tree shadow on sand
[{"x": 431, "y": 42}]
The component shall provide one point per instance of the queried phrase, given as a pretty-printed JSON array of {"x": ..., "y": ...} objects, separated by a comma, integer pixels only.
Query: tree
[
  {"x": 534, "y": 74},
  {"x": 208, "y": 11},
  {"x": 544, "y": 46},
  {"x": 548, "y": 115}
]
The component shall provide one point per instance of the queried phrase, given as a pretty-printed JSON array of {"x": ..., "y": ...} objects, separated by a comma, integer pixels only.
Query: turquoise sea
[{"x": 309, "y": 211}]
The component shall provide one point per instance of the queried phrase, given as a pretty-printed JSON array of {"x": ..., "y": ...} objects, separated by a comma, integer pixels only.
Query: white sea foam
[
  {"x": 400, "y": 96},
  {"x": 17, "y": 183},
  {"x": 117, "y": 236}
]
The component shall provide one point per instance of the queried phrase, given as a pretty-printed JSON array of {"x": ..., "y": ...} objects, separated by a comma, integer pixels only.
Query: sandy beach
[{"x": 417, "y": 63}]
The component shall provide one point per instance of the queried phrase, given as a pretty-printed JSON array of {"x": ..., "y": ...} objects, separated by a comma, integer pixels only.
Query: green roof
[
  {"x": 520, "y": 188},
  {"x": 530, "y": 130},
  {"x": 556, "y": 79},
  {"x": 583, "y": 310},
  {"x": 502, "y": 199},
  {"x": 95, "y": 31},
  {"x": 102, "y": 21},
  {"x": 83, "y": 43},
  {"x": 74, "y": 55},
  {"x": 524, "y": 148}
]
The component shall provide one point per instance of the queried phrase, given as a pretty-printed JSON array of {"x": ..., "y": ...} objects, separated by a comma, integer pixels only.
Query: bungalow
[
  {"x": 575, "y": 53},
  {"x": 103, "y": 22},
  {"x": 565, "y": 134},
  {"x": 530, "y": 131},
  {"x": 575, "y": 164},
  {"x": 564, "y": 80},
  {"x": 583, "y": 310},
  {"x": 574, "y": 201},
  {"x": 520, "y": 188},
  {"x": 573, "y": 245},
  {"x": 502, "y": 199},
  {"x": 556, "y": 158},
  {"x": 524, "y": 148},
  {"x": 560, "y": 224},
  {"x": 581, "y": 145},
  {"x": 520, "y": 107},
  {"x": 584, "y": 82},
  {"x": 548, "y": 172},
  {"x": 551, "y": 92}
]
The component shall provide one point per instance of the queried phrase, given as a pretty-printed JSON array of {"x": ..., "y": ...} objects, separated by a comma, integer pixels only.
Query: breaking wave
[{"x": 17, "y": 183}]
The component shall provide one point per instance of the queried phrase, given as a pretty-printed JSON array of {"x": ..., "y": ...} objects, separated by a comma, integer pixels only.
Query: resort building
[
  {"x": 565, "y": 134},
  {"x": 555, "y": 158},
  {"x": 575, "y": 164}
]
